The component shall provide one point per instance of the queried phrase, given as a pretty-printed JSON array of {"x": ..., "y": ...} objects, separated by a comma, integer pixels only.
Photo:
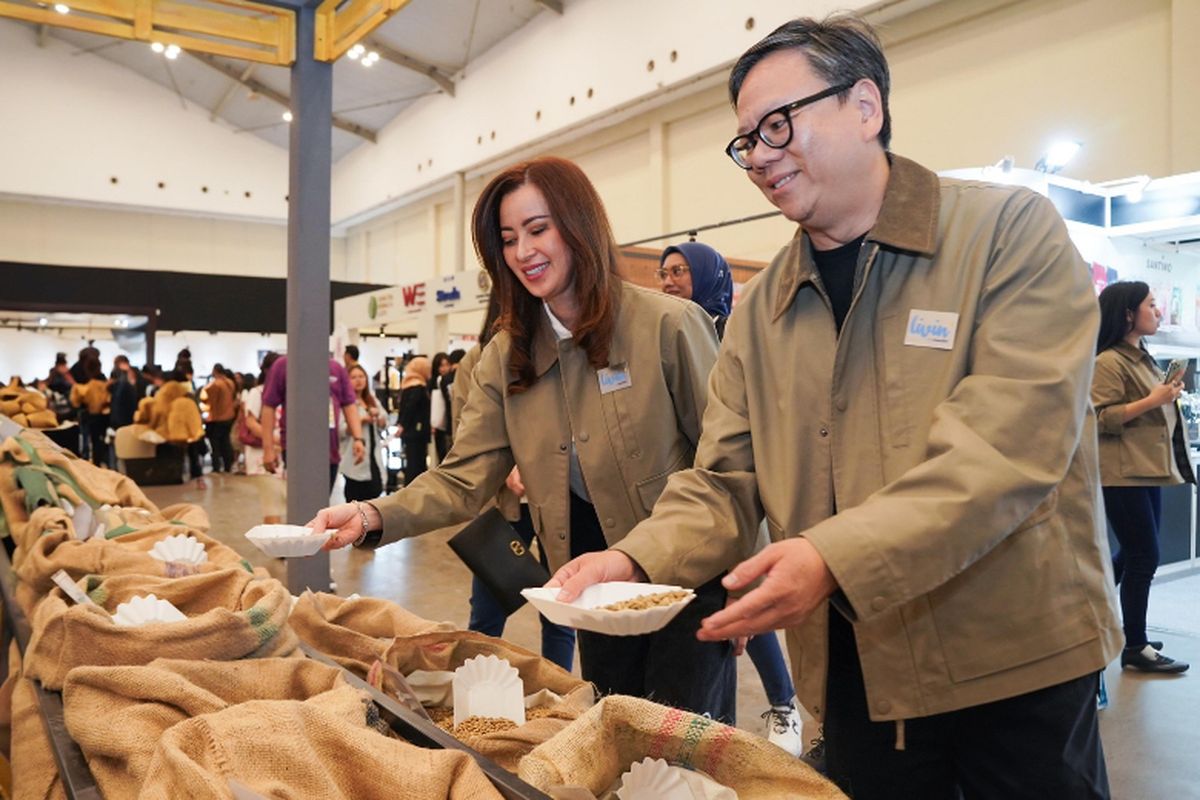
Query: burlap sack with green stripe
[
  {"x": 358, "y": 631},
  {"x": 34, "y": 471},
  {"x": 47, "y": 543},
  {"x": 326, "y": 747},
  {"x": 231, "y": 614},
  {"x": 151, "y": 699},
  {"x": 596, "y": 749}
]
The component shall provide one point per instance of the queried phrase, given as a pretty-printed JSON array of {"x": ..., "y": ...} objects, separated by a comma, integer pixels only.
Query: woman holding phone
[
  {"x": 594, "y": 389},
  {"x": 1142, "y": 449}
]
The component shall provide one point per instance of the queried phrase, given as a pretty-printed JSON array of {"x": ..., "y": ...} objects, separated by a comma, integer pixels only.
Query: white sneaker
[{"x": 783, "y": 728}]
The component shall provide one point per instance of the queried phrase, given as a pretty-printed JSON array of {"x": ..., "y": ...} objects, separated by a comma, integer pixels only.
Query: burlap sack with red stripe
[
  {"x": 48, "y": 543},
  {"x": 596, "y": 749},
  {"x": 448, "y": 650},
  {"x": 358, "y": 631},
  {"x": 231, "y": 614},
  {"x": 326, "y": 747},
  {"x": 149, "y": 700}
]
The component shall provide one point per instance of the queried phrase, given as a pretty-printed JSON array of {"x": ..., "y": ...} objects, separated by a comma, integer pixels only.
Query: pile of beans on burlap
[{"x": 472, "y": 727}]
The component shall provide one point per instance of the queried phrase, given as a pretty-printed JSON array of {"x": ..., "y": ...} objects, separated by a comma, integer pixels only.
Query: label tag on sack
[
  {"x": 931, "y": 329},
  {"x": 614, "y": 378},
  {"x": 70, "y": 589}
]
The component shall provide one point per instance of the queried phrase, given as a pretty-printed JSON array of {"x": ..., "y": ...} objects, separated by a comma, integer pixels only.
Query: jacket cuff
[
  {"x": 396, "y": 520},
  {"x": 644, "y": 556},
  {"x": 1111, "y": 420},
  {"x": 865, "y": 584}
]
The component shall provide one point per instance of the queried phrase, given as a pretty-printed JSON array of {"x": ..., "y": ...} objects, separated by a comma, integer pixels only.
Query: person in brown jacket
[
  {"x": 903, "y": 394},
  {"x": 222, "y": 411},
  {"x": 1142, "y": 449},
  {"x": 594, "y": 388},
  {"x": 92, "y": 396}
]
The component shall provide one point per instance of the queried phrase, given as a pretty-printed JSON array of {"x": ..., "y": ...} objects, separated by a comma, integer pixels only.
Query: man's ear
[{"x": 868, "y": 103}]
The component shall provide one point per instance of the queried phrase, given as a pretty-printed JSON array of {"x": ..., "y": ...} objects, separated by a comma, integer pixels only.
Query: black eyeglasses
[{"x": 775, "y": 129}]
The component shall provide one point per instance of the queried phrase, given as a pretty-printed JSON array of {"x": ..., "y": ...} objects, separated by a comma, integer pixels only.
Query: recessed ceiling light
[
  {"x": 62, "y": 8},
  {"x": 287, "y": 116},
  {"x": 172, "y": 51},
  {"x": 157, "y": 47}
]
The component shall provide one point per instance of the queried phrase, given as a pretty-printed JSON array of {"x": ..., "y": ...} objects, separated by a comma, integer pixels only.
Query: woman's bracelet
[{"x": 362, "y": 515}]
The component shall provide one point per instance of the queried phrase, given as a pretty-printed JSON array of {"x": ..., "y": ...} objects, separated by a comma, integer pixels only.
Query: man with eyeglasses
[{"x": 903, "y": 394}]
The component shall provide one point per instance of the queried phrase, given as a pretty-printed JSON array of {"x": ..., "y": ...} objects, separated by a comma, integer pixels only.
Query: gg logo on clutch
[{"x": 517, "y": 548}]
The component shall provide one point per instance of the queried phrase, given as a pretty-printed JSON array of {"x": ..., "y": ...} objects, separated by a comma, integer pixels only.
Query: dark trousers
[
  {"x": 669, "y": 666},
  {"x": 1045, "y": 744},
  {"x": 441, "y": 445},
  {"x": 488, "y": 616},
  {"x": 222, "y": 445},
  {"x": 416, "y": 454},
  {"x": 195, "y": 454},
  {"x": 97, "y": 427},
  {"x": 1135, "y": 513},
  {"x": 369, "y": 489}
]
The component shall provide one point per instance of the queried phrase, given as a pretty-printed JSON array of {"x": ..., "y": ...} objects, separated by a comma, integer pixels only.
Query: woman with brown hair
[
  {"x": 594, "y": 389},
  {"x": 364, "y": 479}
]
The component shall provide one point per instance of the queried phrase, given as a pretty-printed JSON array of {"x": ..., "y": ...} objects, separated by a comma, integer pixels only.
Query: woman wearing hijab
[
  {"x": 413, "y": 417},
  {"x": 592, "y": 387},
  {"x": 698, "y": 273}
]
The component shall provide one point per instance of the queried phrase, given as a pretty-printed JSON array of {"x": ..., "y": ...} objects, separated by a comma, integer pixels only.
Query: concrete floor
[{"x": 1149, "y": 729}]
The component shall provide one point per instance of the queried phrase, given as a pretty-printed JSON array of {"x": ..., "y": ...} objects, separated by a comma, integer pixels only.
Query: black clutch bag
[{"x": 492, "y": 550}]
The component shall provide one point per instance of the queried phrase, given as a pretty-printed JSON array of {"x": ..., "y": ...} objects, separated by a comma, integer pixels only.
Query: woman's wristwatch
[{"x": 368, "y": 538}]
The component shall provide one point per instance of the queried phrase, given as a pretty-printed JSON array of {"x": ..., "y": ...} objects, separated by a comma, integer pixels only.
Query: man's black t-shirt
[{"x": 837, "y": 268}]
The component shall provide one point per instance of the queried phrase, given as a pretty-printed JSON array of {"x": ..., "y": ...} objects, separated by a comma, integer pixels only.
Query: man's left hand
[{"x": 795, "y": 582}]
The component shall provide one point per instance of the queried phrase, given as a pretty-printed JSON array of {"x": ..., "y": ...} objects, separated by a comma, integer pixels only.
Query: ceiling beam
[
  {"x": 415, "y": 64},
  {"x": 233, "y": 85},
  {"x": 258, "y": 87},
  {"x": 553, "y": 5}
]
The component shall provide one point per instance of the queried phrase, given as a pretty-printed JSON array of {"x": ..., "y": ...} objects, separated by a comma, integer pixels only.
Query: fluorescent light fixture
[
  {"x": 157, "y": 47},
  {"x": 1057, "y": 156},
  {"x": 62, "y": 8},
  {"x": 287, "y": 116}
]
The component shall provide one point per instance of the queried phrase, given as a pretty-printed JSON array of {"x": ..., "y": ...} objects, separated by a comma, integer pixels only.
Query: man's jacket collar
[{"x": 907, "y": 221}]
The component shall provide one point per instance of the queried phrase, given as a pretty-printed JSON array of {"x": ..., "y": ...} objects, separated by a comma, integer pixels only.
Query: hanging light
[
  {"x": 356, "y": 52},
  {"x": 172, "y": 51},
  {"x": 287, "y": 116},
  {"x": 62, "y": 8},
  {"x": 157, "y": 47}
]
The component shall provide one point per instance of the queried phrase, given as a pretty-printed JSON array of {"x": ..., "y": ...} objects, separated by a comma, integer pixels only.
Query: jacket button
[
  {"x": 841, "y": 404},
  {"x": 583, "y": 437},
  {"x": 883, "y": 706},
  {"x": 824, "y": 432},
  {"x": 562, "y": 448},
  {"x": 879, "y": 604},
  {"x": 609, "y": 522},
  {"x": 562, "y": 534}
]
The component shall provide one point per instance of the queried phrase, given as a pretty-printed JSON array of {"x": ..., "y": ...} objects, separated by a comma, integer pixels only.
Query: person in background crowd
[
  {"x": 696, "y": 272},
  {"x": 439, "y": 405},
  {"x": 342, "y": 404},
  {"x": 1142, "y": 449},
  {"x": 456, "y": 356},
  {"x": 92, "y": 396},
  {"x": 221, "y": 396},
  {"x": 412, "y": 418},
  {"x": 940, "y": 570},
  {"x": 350, "y": 356},
  {"x": 61, "y": 380},
  {"x": 78, "y": 371},
  {"x": 487, "y": 615},
  {"x": 364, "y": 479},
  {"x": 594, "y": 389},
  {"x": 122, "y": 387},
  {"x": 270, "y": 487}
]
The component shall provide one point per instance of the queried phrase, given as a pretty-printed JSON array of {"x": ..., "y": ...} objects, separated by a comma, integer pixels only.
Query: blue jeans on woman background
[
  {"x": 488, "y": 616},
  {"x": 1135, "y": 513},
  {"x": 772, "y": 668}
]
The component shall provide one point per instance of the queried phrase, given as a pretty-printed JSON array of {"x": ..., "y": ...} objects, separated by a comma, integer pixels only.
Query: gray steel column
[{"x": 308, "y": 323}]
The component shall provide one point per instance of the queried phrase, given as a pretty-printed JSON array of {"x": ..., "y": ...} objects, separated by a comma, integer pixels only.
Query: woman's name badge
[{"x": 614, "y": 378}]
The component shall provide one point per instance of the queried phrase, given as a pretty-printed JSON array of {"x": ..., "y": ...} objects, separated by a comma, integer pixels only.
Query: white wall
[{"x": 71, "y": 122}]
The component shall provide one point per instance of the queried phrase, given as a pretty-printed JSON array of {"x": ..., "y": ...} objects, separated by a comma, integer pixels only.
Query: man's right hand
[{"x": 592, "y": 568}]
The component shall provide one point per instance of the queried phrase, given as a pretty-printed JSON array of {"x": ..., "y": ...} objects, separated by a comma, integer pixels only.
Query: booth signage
[{"x": 414, "y": 296}]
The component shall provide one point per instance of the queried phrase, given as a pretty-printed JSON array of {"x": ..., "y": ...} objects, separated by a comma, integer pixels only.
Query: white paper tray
[
  {"x": 287, "y": 541},
  {"x": 583, "y": 613}
]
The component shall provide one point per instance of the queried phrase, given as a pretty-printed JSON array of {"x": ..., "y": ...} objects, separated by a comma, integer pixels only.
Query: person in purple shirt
[{"x": 341, "y": 401}]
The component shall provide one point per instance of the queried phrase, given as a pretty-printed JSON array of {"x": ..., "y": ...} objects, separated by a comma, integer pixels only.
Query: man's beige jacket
[{"x": 949, "y": 425}]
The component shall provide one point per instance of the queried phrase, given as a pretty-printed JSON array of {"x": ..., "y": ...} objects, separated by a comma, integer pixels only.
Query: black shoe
[
  {"x": 1155, "y": 645},
  {"x": 1147, "y": 659}
]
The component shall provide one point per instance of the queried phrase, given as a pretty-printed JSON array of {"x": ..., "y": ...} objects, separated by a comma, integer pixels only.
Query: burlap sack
[
  {"x": 231, "y": 614},
  {"x": 325, "y": 747},
  {"x": 47, "y": 544},
  {"x": 35, "y": 775},
  {"x": 447, "y": 650},
  {"x": 355, "y": 632},
  {"x": 149, "y": 700},
  {"x": 596, "y": 749}
]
